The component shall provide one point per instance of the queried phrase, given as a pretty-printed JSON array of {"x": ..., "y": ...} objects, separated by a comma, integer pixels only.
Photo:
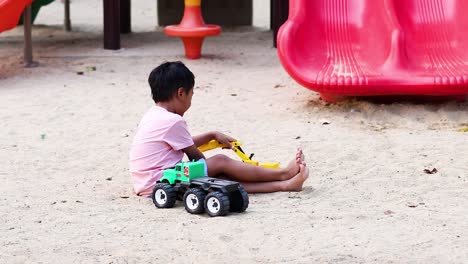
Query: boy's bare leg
[
  {"x": 292, "y": 185},
  {"x": 243, "y": 172}
]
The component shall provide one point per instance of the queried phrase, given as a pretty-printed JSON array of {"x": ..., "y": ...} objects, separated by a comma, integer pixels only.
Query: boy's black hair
[{"x": 167, "y": 78}]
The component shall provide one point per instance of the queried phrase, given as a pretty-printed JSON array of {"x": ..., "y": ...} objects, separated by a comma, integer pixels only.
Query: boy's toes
[{"x": 300, "y": 155}]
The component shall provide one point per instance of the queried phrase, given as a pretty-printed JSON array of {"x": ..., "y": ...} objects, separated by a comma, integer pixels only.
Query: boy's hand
[{"x": 224, "y": 139}]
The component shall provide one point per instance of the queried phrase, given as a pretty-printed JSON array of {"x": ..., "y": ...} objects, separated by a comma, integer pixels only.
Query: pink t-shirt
[{"x": 157, "y": 145}]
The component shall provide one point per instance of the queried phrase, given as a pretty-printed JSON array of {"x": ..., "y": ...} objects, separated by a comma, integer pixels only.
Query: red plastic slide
[
  {"x": 10, "y": 12},
  {"x": 377, "y": 47}
]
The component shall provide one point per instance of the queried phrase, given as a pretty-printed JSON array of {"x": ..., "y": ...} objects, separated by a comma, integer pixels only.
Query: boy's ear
[{"x": 180, "y": 91}]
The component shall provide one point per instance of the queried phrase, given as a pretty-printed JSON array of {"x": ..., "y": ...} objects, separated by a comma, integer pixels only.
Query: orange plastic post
[{"x": 192, "y": 29}]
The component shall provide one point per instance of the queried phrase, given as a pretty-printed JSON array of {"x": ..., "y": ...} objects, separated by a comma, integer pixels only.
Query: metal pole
[
  {"x": 112, "y": 24},
  {"x": 271, "y": 14},
  {"x": 279, "y": 15},
  {"x": 27, "y": 24},
  {"x": 125, "y": 16},
  {"x": 67, "y": 21}
]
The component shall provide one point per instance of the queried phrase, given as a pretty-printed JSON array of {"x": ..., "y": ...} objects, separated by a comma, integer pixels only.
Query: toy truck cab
[
  {"x": 184, "y": 172},
  {"x": 187, "y": 182}
]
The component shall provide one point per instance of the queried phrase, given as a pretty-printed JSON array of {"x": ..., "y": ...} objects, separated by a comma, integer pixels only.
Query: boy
[{"x": 163, "y": 138}]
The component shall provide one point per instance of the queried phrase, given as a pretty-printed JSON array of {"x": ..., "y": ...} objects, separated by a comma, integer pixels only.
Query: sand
[{"x": 67, "y": 195}]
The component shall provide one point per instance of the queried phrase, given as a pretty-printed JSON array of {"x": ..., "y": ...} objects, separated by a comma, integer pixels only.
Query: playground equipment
[
  {"x": 377, "y": 47},
  {"x": 10, "y": 12},
  {"x": 187, "y": 182},
  {"x": 192, "y": 29},
  {"x": 236, "y": 147}
]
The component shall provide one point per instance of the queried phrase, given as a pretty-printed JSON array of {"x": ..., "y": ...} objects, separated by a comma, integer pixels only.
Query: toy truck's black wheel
[
  {"x": 164, "y": 195},
  {"x": 216, "y": 204},
  {"x": 239, "y": 200},
  {"x": 194, "y": 199}
]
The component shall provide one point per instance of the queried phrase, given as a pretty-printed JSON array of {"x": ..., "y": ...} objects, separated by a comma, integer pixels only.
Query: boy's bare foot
[
  {"x": 293, "y": 167},
  {"x": 295, "y": 183}
]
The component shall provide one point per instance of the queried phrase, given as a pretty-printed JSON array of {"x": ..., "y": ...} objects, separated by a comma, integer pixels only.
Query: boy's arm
[
  {"x": 206, "y": 137},
  {"x": 203, "y": 138},
  {"x": 193, "y": 153}
]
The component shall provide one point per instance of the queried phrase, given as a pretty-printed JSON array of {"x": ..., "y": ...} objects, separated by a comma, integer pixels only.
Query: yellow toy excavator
[{"x": 236, "y": 147}]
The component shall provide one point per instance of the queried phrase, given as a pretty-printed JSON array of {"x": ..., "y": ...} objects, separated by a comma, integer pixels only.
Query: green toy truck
[{"x": 187, "y": 182}]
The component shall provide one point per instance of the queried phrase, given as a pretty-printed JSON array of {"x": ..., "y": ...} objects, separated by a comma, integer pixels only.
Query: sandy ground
[{"x": 67, "y": 194}]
